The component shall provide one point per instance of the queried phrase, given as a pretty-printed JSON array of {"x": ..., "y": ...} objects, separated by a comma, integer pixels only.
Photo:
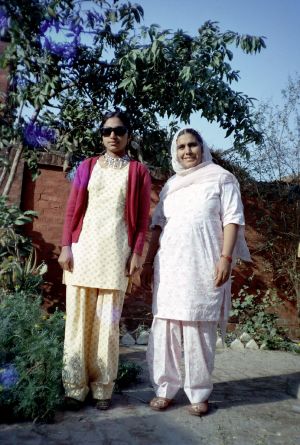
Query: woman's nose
[{"x": 187, "y": 150}]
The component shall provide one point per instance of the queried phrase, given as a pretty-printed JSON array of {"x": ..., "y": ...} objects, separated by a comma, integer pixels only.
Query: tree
[
  {"x": 275, "y": 165},
  {"x": 59, "y": 89},
  {"x": 277, "y": 156}
]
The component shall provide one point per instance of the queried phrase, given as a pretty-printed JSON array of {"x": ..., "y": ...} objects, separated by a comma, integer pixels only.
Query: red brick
[{"x": 46, "y": 197}]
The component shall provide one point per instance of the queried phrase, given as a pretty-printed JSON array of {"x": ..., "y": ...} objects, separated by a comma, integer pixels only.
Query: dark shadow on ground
[{"x": 248, "y": 391}]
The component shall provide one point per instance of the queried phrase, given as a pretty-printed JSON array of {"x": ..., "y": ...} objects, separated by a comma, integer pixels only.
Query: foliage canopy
[{"x": 72, "y": 61}]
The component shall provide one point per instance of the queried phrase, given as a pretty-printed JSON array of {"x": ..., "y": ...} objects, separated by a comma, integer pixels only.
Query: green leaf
[
  {"x": 51, "y": 12},
  {"x": 185, "y": 73},
  {"x": 125, "y": 82}
]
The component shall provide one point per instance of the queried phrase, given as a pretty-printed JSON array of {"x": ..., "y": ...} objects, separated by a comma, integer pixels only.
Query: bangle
[
  {"x": 148, "y": 262},
  {"x": 227, "y": 257}
]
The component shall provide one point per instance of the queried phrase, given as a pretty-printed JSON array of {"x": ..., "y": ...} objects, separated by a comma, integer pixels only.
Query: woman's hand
[
  {"x": 223, "y": 267},
  {"x": 134, "y": 264},
  {"x": 147, "y": 272},
  {"x": 146, "y": 276},
  {"x": 223, "y": 271},
  {"x": 65, "y": 259}
]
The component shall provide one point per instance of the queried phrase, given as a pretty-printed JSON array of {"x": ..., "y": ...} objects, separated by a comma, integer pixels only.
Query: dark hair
[
  {"x": 193, "y": 132},
  {"x": 122, "y": 116}
]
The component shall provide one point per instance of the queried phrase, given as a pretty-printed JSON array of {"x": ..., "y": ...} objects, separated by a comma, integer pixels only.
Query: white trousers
[{"x": 164, "y": 357}]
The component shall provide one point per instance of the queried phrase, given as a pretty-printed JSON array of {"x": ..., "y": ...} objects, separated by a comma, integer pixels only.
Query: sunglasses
[{"x": 119, "y": 131}]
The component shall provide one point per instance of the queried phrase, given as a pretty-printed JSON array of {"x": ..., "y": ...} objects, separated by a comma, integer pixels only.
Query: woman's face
[
  {"x": 114, "y": 141},
  {"x": 189, "y": 150}
]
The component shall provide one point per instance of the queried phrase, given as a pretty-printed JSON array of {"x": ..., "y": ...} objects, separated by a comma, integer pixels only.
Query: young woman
[
  {"x": 197, "y": 234},
  {"x": 103, "y": 237}
]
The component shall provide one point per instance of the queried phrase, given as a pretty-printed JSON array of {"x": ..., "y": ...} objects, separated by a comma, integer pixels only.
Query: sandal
[
  {"x": 198, "y": 409},
  {"x": 103, "y": 404},
  {"x": 160, "y": 403}
]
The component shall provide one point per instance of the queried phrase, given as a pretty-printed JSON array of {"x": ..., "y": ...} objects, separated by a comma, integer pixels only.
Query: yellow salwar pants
[{"x": 91, "y": 347}]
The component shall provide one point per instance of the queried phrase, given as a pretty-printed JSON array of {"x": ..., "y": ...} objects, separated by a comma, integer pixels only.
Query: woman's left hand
[
  {"x": 223, "y": 271},
  {"x": 134, "y": 264}
]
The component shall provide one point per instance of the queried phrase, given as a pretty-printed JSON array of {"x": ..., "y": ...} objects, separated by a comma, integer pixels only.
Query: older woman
[
  {"x": 104, "y": 232},
  {"x": 197, "y": 232}
]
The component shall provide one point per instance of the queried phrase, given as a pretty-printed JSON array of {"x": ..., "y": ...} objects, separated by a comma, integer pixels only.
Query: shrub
[
  {"x": 31, "y": 343},
  {"x": 31, "y": 360},
  {"x": 18, "y": 269},
  {"x": 128, "y": 374},
  {"x": 21, "y": 273},
  {"x": 256, "y": 315}
]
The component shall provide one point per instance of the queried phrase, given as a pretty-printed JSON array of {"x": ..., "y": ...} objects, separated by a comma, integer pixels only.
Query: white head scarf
[{"x": 177, "y": 167}]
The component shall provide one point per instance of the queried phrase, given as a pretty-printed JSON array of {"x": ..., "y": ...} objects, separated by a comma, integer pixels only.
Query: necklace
[{"x": 118, "y": 162}]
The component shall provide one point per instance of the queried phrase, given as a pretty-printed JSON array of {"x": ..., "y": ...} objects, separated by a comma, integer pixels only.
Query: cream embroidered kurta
[
  {"x": 191, "y": 241},
  {"x": 102, "y": 250}
]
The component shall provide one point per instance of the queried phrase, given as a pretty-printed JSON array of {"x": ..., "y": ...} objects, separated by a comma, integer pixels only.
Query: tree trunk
[
  {"x": 298, "y": 279},
  {"x": 4, "y": 171},
  {"x": 13, "y": 170}
]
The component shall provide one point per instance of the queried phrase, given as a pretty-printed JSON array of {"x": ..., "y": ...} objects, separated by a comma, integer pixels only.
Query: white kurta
[{"x": 191, "y": 242}]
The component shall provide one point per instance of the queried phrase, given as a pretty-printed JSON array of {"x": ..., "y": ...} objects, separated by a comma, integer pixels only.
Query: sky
[{"x": 263, "y": 75}]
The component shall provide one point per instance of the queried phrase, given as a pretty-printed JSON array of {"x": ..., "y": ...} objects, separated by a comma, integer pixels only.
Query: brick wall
[{"x": 48, "y": 196}]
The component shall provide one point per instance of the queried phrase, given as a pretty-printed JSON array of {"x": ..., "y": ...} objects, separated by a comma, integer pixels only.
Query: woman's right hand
[
  {"x": 146, "y": 276},
  {"x": 65, "y": 259}
]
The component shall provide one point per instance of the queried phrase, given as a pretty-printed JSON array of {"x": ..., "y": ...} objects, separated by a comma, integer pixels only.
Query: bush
[
  {"x": 21, "y": 273},
  {"x": 31, "y": 360},
  {"x": 256, "y": 315},
  {"x": 18, "y": 269},
  {"x": 128, "y": 374},
  {"x": 31, "y": 351}
]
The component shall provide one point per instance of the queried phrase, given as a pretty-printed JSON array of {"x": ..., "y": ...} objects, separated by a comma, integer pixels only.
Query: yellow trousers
[{"x": 91, "y": 348}]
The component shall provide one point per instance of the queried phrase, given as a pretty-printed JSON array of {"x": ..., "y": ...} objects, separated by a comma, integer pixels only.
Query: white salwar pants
[{"x": 164, "y": 357}]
